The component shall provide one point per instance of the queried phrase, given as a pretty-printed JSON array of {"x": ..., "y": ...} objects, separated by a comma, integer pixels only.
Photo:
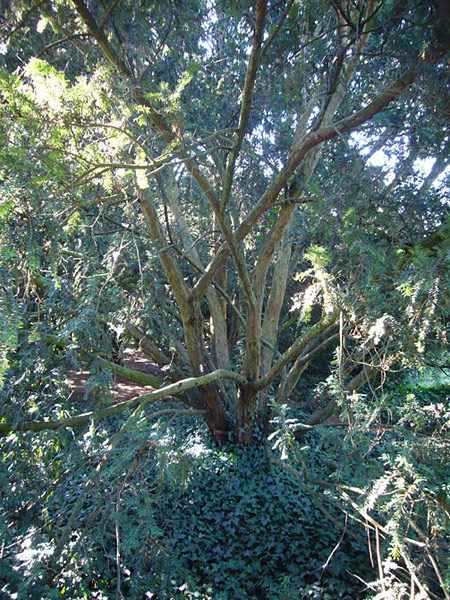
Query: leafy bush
[
  {"x": 168, "y": 515},
  {"x": 189, "y": 523},
  {"x": 241, "y": 529},
  {"x": 387, "y": 463}
]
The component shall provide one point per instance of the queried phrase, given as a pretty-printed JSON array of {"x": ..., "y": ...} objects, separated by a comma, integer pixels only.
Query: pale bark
[
  {"x": 268, "y": 249},
  {"x": 294, "y": 350},
  {"x": 133, "y": 375},
  {"x": 272, "y": 313},
  {"x": 115, "y": 409},
  {"x": 345, "y": 71},
  {"x": 276, "y": 298},
  {"x": 165, "y": 253},
  {"x": 247, "y": 95},
  {"x": 312, "y": 140},
  {"x": 248, "y": 398},
  {"x": 190, "y": 313},
  {"x": 190, "y": 251},
  {"x": 322, "y": 342}
]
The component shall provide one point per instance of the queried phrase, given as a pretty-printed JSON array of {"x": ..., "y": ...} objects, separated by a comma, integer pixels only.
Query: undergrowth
[{"x": 168, "y": 515}]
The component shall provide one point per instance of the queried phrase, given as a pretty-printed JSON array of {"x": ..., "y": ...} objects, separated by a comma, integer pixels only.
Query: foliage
[
  {"x": 389, "y": 471},
  {"x": 193, "y": 522},
  {"x": 189, "y": 520},
  {"x": 256, "y": 194},
  {"x": 240, "y": 528}
]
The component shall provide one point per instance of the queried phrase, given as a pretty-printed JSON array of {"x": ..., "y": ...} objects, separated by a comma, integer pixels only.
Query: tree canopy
[{"x": 253, "y": 192}]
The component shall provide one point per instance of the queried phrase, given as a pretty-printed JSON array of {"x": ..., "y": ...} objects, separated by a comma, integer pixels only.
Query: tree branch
[
  {"x": 169, "y": 390},
  {"x": 100, "y": 37},
  {"x": 304, "y": 359},
  {"x": 132, "y": 374},
  {"x": 171, "y": 267},
  {"x": 274, "y": 34},
  {"x": 267, "y": 251},
  {"x": 247, "y": 95},
  {"x": 294, "y": 350},
  {"x": 297, "y": 155}
]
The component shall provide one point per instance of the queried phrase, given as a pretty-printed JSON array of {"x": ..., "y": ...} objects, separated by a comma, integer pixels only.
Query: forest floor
[{"x": 122, "y": 389}]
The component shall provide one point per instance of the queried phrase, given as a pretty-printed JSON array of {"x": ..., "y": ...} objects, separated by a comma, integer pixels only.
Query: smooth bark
[{"x": 110, "y": 411}]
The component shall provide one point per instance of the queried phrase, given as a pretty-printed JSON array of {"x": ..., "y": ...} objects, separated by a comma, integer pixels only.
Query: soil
[{"x": 123, "y": 389}]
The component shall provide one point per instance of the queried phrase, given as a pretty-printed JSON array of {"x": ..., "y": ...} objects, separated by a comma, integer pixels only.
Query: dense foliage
[
  {"x": 185, "y": 519},
  {"x": 255, "y": 195}
]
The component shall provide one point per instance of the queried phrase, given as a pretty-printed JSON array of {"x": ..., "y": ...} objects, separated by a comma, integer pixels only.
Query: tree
[
  {"x": 257, "y": 193},
  {"x": 241, "y": 135}
]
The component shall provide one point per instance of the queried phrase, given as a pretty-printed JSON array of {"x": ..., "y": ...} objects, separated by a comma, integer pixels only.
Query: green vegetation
[
  {"x": 253, "y": 196},
  {"x": 359, "y": 515}
]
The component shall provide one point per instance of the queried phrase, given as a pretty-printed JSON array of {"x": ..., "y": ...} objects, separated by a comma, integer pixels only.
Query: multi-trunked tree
[
  {"x": 231, "y": 131},
  {"x": 205, "y": 178}
]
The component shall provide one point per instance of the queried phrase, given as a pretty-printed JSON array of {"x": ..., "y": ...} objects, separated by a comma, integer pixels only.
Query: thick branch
[
  {"x": 297, "y": 155},
  {"x": 252, "y": 361},
  {"x": 294, "y": 350},
  {"x": 191, "y": 254},
  {"x": 318, "y": 137},
  {"x": 247, "y": 96},
  {"x": 236, "y": 253},
  {"x": 169, "y": 390},
  {"x": 133, "y": 375},
  {"x": 100, "y": 37},
  {"x": 267, "y": 251},
  {"x": 302, "y": 362},
  {"x": 171, "y": 267}
]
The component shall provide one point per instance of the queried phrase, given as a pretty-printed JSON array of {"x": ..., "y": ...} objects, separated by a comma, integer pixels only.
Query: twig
[
  {"x": 438, "y": 574},
  {"x": 344, "y": 531},
  {"x": 379, "y": 561},
  {"x": 277, "y": 28},
  {"x": 117, "y": 531}
]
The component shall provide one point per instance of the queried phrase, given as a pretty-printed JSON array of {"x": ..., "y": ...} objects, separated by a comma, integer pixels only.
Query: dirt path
[{"x": 122, "y": 388}]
